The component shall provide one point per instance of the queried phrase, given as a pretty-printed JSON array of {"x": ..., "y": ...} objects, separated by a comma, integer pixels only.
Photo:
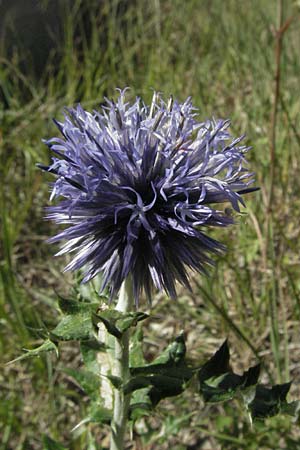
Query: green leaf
[
  {"x": 50, "y": 444},
  {"x": 292, "y": 409},
  {"x": 162, "y": 386},
  {"x": 130, "y": 320},
  {"x": 217, "y": 365},
  {"x": 89, "y": 351},
  {"x": 115, "y": 381},
  {"x": 87, "y": 380},
  {"x": 117, "y": 322},
  {"x": 109, "y": 319},
  {"x": 248, "y": 389},
  {"x": 174, "y": 353},
  {"x": 135, "y": 383},
  {"x": 73, "y": 306},
  {"x": 98, "y": 414},
  {"x": 75, "y": 327},
  {"x": 170, "y": 359},
  {"x": 171, "y": 369},
  {"x": 136, "y": 355},
  {"x": 177, "y": 349},
  {"x": 271, "y": 401},
  {"x": 219, "y": 383},
  {"x": 47, "y": 346},
  {"x": 140, "y": 404},
  {"x": 167, "y": 375}
]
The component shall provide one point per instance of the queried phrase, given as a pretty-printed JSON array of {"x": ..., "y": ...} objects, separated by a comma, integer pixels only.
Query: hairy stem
[{"x": 121, "y": 370}]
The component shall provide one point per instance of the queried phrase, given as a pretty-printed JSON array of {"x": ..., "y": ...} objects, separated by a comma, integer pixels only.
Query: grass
[{"x": 223, "y": 54}]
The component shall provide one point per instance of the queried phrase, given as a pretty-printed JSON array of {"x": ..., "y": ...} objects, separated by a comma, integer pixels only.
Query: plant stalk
[
  {"x": 121, "y": 370},
  {"x": 273, "y": 141}
]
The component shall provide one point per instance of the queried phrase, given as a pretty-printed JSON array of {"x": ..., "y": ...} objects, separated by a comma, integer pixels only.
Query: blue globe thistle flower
[{"x": 139, "y": 186}]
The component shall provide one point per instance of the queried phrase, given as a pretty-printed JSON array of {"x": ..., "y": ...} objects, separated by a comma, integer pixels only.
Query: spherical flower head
[{"x": 139, "y": 186}]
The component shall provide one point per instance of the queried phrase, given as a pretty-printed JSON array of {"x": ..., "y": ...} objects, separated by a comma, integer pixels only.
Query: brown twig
[{"x": 279, "y": 33}]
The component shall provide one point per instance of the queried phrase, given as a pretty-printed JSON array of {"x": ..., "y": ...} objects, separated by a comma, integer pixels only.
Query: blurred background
[{"x": 238, "y": 59}]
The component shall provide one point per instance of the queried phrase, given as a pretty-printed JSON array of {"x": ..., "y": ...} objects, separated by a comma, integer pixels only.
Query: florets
[{"x": 139, "y": 186}]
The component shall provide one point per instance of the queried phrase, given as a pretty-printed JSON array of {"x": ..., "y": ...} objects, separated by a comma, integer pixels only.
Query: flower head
[{"x": 138, "y": 186}]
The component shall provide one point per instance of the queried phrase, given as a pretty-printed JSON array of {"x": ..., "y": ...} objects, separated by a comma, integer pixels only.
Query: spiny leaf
[
  {"x": 167, "y": 375},
  {"x": 108, "y": 318},
  {"x": 138, "y": 410},
  {"x": 115, "y": 381},
  {"x": 51, "y": 444},
  {"x": 248, "y": 389},
  {"x": 140, "y": 404},
  {"x": 173, "y": 371},
  {"x": 136, "y": 355},
  {"x": 47, "y": 346},
  {"x": 89, "y": 351},
  {"x": 117, "y": 322},
  {"x": 217, "y": 365},
  {"x": 219, "y": 383},
  {"x": 131, "y": 320},
  {"x": 135, "y": 383},
  {"x": 292, "y": 409},
  {"x": 269, "y": 401},
  {"x": 172, "y": 356},
  {"x": 251, "y": 376},
  {"x": 71, "y": 306},
  {"x": 98, "y": 414},
  {"x": 75, "y": 327},
  {"x": 174, "y": 353},
  {"x": 87, "y": 380},
  {"x": 164, "y": 386}
]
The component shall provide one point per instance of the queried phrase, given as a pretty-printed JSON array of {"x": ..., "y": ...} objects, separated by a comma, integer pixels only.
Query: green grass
[{"x": 222, "y": 54}]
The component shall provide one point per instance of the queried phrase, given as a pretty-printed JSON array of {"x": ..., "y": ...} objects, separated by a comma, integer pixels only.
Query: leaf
[
  {"x": 248, "y": 389},
  {"x": 292, "y": 409},
  {"x": 71, "y": 306},
  {"x": 89, "y": 351},
  {"x": 47, "y": 346},
  {"x": 269, "y": 402},
  {"x": 138, "y": 410},
  {"x": 171, "y": 369},
  {"x": 75, "y": 327},
  {"x": 130, "y": 320},
  {"x": 136, "y": 355},
  {"x": 217, "y": 365},
  {"x": 164, "y": 386},
  {"x": 87, "y": 380},
  {"x": 219, "y": 383},
  {"x": 109, "y": 319},
  {"x": 98, "y": 414},
  {"x": 135, "y": 383},
  {"x": 140, "y": 404},
  {"x": 117, "y": 322},
  {"x": 50, "y": 444},
  {"x": 115, "y": 381},
  {"x": 169, "y": 360},
  {"x": 175, "y": 352},
  {"x": 76, "y": 324},
  {"x": 177, "y": 349},
  {"x": 167, "y": 375}
]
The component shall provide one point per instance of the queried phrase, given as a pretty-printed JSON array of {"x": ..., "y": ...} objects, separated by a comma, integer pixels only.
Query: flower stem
[{"x": 121, "y": 370}]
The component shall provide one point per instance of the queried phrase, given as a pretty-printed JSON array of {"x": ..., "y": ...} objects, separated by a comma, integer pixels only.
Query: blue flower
[{"x": 138, "y": 188}]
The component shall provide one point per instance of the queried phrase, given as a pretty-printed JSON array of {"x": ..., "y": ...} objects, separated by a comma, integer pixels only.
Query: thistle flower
[{"x": 139, "y": 186}]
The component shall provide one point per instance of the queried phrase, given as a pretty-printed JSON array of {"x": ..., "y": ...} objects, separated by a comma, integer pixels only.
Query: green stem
[{"x": 121, "y": 370}]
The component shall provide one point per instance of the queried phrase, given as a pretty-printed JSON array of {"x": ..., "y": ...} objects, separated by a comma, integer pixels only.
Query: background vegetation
[{"x": 222, "y": 53}]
